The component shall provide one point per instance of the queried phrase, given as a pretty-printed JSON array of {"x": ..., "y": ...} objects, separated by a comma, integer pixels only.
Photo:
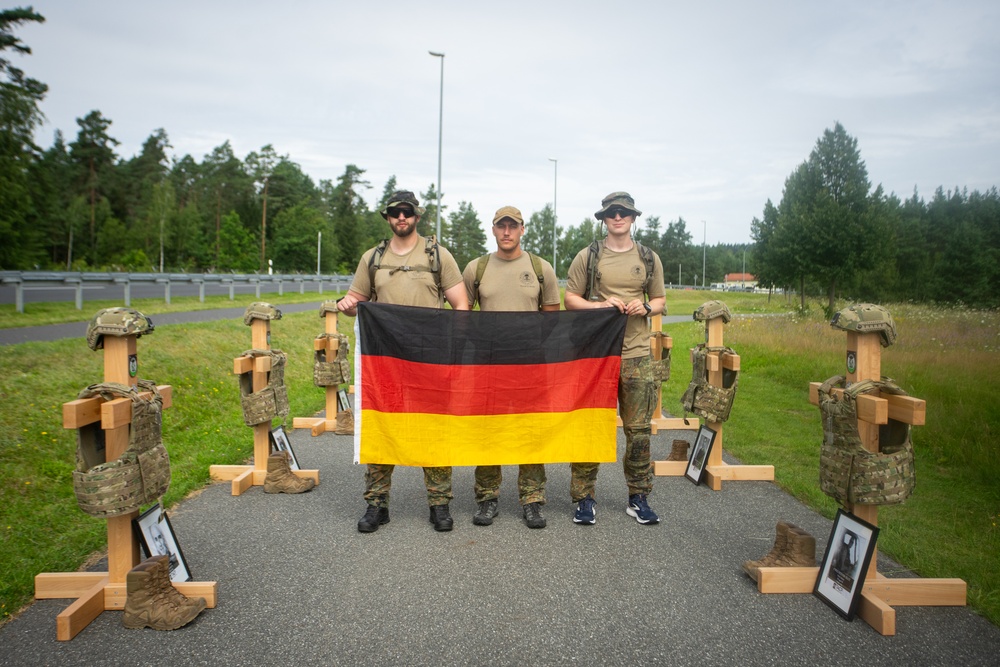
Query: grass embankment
[{"x": 948, "y": 528}]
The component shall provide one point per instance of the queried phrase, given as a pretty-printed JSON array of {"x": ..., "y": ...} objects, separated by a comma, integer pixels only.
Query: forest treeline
[{"x": 79, "y": 205}]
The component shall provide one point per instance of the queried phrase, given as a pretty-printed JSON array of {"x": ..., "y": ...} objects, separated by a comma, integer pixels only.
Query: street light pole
[
  {"x": 440, "y": 134},
  {"x": 703, "y": 238},
  {"x": 555, "y": 215}
]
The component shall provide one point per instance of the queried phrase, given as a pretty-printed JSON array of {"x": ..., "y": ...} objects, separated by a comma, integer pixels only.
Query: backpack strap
[
  {"x": 647, "y": 259},
  {"x": 374, "y": 264},
  {"x": 480, "y": 270},
  {"x": 593, "y": 257},
  {"x": 433, "y": 259},
  {"x": 536, "y": 265}
]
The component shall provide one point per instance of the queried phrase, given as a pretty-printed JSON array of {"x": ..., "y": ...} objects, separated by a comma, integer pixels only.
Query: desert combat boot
[
  {"x": 281, "y": 479},
  {"x": 153, "y": 602},
  {"x": 780, "y": 545},
  {"x": 679, "y": 451}
]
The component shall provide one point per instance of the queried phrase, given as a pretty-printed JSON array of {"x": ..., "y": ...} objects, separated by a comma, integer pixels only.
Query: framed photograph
[
  {"x": 343, "y": 403},
  {"x": 156, "y": 536},
  {"x": 848, "y": 554},
  {"x": 699, "y": 454},
  {"x": 279, "y": 442}
]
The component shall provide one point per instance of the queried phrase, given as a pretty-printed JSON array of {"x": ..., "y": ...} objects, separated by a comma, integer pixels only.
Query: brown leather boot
[
  {"x": 801, "y": 549},
  {"x": 281, "y": 479},
  {"x": 152, "y": 600},
  {"x": 780, "y": 546},
  {"x": 345, "y": 423},
  {"x": 679, "y": 452}
]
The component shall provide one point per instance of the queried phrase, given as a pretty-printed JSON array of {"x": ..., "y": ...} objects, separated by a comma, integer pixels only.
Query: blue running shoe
[
  {"x": 639, "y": 509},
  {"x": 585, "y": 512}
]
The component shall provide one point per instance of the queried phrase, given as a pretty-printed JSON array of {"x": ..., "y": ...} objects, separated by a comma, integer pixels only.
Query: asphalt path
[{"x": 298, "y": 585}]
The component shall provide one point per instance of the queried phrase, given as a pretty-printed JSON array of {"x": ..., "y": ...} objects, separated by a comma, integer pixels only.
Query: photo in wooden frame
[
  {"x": 280, "y": 443},
  {"x": 699, "y": 454},
  {"x": 156, "y": 537},
  {"x": 842, "y": 572}
]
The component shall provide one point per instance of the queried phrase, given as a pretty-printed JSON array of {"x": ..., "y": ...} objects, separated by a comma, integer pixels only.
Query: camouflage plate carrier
[
  {"x": 272, "y": 400},
  {"x": 331, "y": 373},
  {"x": 661, "y": 366},
  {"x": 847, "y": 471},
  {"x": 141, "y": 475},
  {"x": 704, "y": 399}
]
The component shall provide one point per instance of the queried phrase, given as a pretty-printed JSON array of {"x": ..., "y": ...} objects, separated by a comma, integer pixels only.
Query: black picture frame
[
  {"x": 156, "y": 537},
  {"x": 280, "y": 443},
  {"x": 845, "y": 564},
  {"x": 698, "y": 460},
  {"x": 343, "y": 402}
]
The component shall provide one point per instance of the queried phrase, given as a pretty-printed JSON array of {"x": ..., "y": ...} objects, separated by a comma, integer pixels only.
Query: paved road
[
  {"x": 298, "y": 585},
  {"x": 53, "y": 332}
]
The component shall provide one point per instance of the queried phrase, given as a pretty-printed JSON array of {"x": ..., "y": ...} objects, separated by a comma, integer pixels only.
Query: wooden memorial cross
[
  {"x": 245, "y": 476},
  {"x": 96, "y": 592},
  {"x": 864, "y": 354},
  {"x": 716, "y": 470},
  {"x": 327, "y": 423}
]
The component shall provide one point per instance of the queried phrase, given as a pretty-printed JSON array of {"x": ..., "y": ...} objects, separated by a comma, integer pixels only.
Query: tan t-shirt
[
  {"x": 511, "y": 284},
  {"x": 622, "y": 275},
  {"x": 407, "y": 287}
]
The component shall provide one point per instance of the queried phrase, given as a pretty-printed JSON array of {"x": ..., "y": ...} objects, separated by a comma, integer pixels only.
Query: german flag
[{"x": 461, "y": 388}]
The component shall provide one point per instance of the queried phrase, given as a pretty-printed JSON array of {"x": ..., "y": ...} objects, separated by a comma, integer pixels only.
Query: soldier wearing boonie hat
[
  {"x": 511, "y": 279},
  {"x": 408, "y": 270},
  {"x": 629, "y": 277}
]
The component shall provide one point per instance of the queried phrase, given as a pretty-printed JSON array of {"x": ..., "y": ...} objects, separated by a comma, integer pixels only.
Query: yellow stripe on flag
[{"x": 418, "y": 439}]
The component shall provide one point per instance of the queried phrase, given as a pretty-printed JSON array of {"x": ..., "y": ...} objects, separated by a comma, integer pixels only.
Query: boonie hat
[
  {"x": 400, "y": 198},
  {"x": 508, "y": 212},
  {"x": 622, "y": 199}
]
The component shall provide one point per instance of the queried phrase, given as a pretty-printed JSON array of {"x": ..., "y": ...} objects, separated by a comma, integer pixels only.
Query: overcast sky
[{"x": 699, "y": 109}]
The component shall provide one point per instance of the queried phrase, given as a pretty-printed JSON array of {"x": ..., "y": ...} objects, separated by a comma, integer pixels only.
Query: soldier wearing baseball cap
[{"x": 511, "y": 279}]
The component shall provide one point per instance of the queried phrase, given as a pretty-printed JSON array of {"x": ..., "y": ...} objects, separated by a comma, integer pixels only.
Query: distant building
[{"x": 735, "y": 282}]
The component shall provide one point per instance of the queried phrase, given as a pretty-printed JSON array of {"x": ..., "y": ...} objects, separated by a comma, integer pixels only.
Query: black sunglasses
[
  {"x": 394, "y": 212},
  {"x": 618, "y": 210}
]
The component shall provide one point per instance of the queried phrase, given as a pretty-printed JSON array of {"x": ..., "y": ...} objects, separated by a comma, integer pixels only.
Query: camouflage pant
[
  {"x": 637, "y": 393},
  {"x": 530, "y": 483},
  {"x": 378, "y": 482}
]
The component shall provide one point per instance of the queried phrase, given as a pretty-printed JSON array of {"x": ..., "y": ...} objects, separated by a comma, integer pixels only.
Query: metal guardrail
[{"x": 217, "y": 283}]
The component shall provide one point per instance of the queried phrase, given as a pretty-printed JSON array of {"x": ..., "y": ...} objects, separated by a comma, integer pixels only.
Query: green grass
[{"x": 948, "y": 528}]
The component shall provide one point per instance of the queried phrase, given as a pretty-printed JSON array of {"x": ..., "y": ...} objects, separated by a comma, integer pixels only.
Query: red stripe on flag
[{"x": 391, "y": 385}]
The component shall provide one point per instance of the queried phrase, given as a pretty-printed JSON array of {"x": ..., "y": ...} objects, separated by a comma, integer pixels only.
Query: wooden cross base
[
  {"x": 716, "y": 470},
  {"x": 102, "y": 591},
  {"x": 95, "y": 593},
  {"x": 864, "y": 362},
  {"x": 245, "y": 476},
  {"x": 321, "y": 425},
  {"x": 876, "y": 596}
]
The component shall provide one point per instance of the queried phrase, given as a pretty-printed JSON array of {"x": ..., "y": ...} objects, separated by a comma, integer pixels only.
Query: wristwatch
[{"x": 648, "y": 309}]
